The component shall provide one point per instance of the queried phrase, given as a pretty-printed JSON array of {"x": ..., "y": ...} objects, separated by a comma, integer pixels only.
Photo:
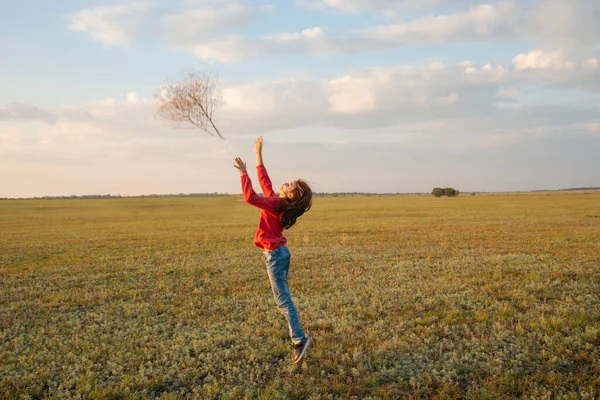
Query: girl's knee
[{"x": 285, "y": 305}]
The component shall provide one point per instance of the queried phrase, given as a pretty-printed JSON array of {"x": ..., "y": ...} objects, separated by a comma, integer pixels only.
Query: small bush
[
  {"x": 451, "y": 192},
  {"x": 439, "y": 192}
]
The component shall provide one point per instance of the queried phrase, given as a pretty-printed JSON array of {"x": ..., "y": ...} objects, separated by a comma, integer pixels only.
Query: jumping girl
[{"x": 278, "y": 212}]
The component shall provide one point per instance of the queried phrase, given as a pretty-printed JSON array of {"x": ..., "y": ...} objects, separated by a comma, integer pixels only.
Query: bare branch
[{"x": 191, "y": 101}]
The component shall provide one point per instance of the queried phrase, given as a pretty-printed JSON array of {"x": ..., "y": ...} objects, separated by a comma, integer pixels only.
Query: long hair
[{"x": 293, "y": 208}]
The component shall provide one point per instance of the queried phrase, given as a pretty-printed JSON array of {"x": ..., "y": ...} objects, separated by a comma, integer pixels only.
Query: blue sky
[{"x": 353, "y": 95}]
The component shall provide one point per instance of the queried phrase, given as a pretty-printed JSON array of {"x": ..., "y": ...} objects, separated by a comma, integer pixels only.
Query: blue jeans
[{"x": 278, "y": 265}]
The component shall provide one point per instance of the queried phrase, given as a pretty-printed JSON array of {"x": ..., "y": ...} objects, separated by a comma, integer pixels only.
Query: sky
[{"x": 382, "y": 96}]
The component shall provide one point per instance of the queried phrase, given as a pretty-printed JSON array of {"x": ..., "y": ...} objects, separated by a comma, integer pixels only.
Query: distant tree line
[
  {"x": 114, "y": 196},
  {"x": 568, "y": 189},
  {"x": 437, "y": 192},
  {"x": 352, "y": 194},
  {"x": 448, "y": 192}
]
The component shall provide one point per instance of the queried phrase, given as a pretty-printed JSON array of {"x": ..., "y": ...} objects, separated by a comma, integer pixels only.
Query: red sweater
[{"x": 269, "y": 235}]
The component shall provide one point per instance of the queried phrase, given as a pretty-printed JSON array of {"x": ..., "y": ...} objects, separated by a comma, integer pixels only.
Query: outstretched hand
[
  {"x": 258, "y": 145},
  {"x": 241, "y": 166}
]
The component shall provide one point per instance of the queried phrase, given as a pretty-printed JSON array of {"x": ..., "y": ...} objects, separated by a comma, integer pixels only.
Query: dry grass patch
[{"x": 479, "y": 297}]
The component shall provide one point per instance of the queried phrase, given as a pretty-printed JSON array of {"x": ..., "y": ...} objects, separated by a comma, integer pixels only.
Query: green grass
[{"x": 476, "y": 297}]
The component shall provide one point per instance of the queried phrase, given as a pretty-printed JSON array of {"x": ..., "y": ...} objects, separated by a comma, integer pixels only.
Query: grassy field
[{"x": 476, "y": 297}]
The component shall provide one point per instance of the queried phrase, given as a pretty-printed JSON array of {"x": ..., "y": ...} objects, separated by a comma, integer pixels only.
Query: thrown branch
[{"x": 191, "y": 102}]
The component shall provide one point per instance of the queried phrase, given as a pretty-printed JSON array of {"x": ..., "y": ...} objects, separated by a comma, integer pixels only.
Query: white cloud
[
  {"x": 501, "y": 20},
  {"x": 266, "y": 106},
  {"x": 351, "y": 95},
  {"x": 314, "y": 41},
  {"x": 559, "y": 67},
  {"x": 247, "y": 98},
  {"x": 482, "y": 21},
  {"x": 133, "y": 97},
  {"x": 382, "y": 7},
  {"x": 540, "y": 59},
  {"x": 111, "y": 25},
  {"x": 405, "y": 94},
  {"x": 558, "y": 22},
  {"x": 392, "y": 88},
  {"x": 214, "y": 32},
  {"x": 196, "y": 25},
  {"x": 362, "y": 99},
  {"x": 228, "y": 49},
  {"x": 210, "y": 31},
  {"x": 486, "y": 73},
  {"x": 351, "y": 6},
  {"x": 553, "y": 60},
  {"x": 313, "y": 33}
]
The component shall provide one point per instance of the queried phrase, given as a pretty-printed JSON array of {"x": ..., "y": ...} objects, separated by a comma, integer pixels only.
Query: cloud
[
  {"x": 564, "y": 23},
  {"x": 558, "y": 67},
  {"x": 111, "y": 25},
  {"x": 479, "y": 22},
  {"x": 364, "y": 99},
  {"x": 351, "y": 95},
  {"x": 217, "y": 29},
  {"x": 102, "y": 133},
  {"x": 229, "y": 49},
  {"x": 404, "y": 91},
  {"x": 20, "y": 111},
  {"x": 217, "y": 32},
  {"x": 195, "y": 25},
  {"x": 540, "y": 59},
  {"x": 207, "y": 31},
  {"x": 272, "y": 105},
  {"x": 380, "y": 98},
  {"x": 133, "y": 97},
  {"x": 316, "y": 41},
  {"x": 313, "y": 41},
  {"x": 556, "y": 22},
  {"x": 383, "y": 7},
  {"x": 351, "y": 6}
]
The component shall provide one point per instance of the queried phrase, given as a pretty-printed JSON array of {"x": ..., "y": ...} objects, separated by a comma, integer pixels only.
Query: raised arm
[
  {"x": 250, "y": 196},
  {"x": 263, "y": 176}
]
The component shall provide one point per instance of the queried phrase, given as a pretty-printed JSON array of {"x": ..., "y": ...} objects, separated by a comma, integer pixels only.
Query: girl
[{"x": 278, "y": 212}]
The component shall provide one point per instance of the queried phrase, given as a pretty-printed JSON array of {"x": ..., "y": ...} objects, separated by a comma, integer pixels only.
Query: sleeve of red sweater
[
  {"x": 250, "y": 196},
  {"x": 265, "y": 181}
]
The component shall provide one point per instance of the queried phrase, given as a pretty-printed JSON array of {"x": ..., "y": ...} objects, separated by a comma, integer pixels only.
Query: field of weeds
[{"x": 476, "y": 297}]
